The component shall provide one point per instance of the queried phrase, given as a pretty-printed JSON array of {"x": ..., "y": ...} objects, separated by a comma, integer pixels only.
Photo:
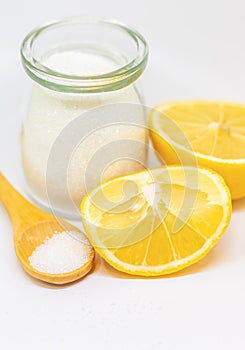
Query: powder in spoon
[{"x": 63, "y": 252}]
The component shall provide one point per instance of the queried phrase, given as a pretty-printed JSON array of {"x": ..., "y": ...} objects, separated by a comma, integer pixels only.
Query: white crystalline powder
[
  {"x": 79, "y": 63},
  {"x": 63, "y": 252},
  {"x": 51, "y": 114}
]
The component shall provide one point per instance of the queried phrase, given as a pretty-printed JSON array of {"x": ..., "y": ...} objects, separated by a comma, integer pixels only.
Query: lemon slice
[
  {"x": 212, "y": 132},
  {"x": 157, "y": 221}
]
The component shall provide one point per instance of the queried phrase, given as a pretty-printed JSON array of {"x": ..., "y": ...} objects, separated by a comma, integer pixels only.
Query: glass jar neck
[{"x": 127, "y": 71}]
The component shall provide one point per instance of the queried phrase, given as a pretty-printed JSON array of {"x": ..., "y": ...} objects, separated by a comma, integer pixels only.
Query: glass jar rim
[{"x": 113, "y": 80}]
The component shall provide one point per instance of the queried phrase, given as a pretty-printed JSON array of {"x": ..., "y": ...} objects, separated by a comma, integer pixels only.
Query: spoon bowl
[{"x": 32, "y": 226}]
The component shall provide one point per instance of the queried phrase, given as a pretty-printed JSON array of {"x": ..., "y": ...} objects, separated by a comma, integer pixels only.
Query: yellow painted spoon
[{"x": 31, "y": 227}]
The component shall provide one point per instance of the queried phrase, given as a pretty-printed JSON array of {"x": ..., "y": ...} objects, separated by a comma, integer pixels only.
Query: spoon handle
[
  {"x": 20, "y": 210},
  {"x": 11, "y": 199}
]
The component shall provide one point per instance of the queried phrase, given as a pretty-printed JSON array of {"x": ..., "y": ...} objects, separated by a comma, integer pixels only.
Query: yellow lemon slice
[
  {"x": 157, "y": 221},
  {"x": 212, "y": 132}
]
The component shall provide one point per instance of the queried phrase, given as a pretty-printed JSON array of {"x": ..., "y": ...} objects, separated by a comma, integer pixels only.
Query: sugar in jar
[{"x": 86, "y": 120}]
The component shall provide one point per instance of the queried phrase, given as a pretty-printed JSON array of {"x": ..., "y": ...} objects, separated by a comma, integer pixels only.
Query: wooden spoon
[{"x": 31, "y": 227}]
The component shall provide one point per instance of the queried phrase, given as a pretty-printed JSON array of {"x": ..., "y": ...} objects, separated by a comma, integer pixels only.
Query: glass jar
[{"x": 86, "y": 121}]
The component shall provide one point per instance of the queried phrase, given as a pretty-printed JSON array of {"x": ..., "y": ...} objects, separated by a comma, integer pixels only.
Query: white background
[{"x": 197, "y": 50}]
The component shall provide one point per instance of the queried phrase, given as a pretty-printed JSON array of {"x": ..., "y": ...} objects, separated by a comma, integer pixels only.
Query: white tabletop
[{"x": 197, "y": 50}]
